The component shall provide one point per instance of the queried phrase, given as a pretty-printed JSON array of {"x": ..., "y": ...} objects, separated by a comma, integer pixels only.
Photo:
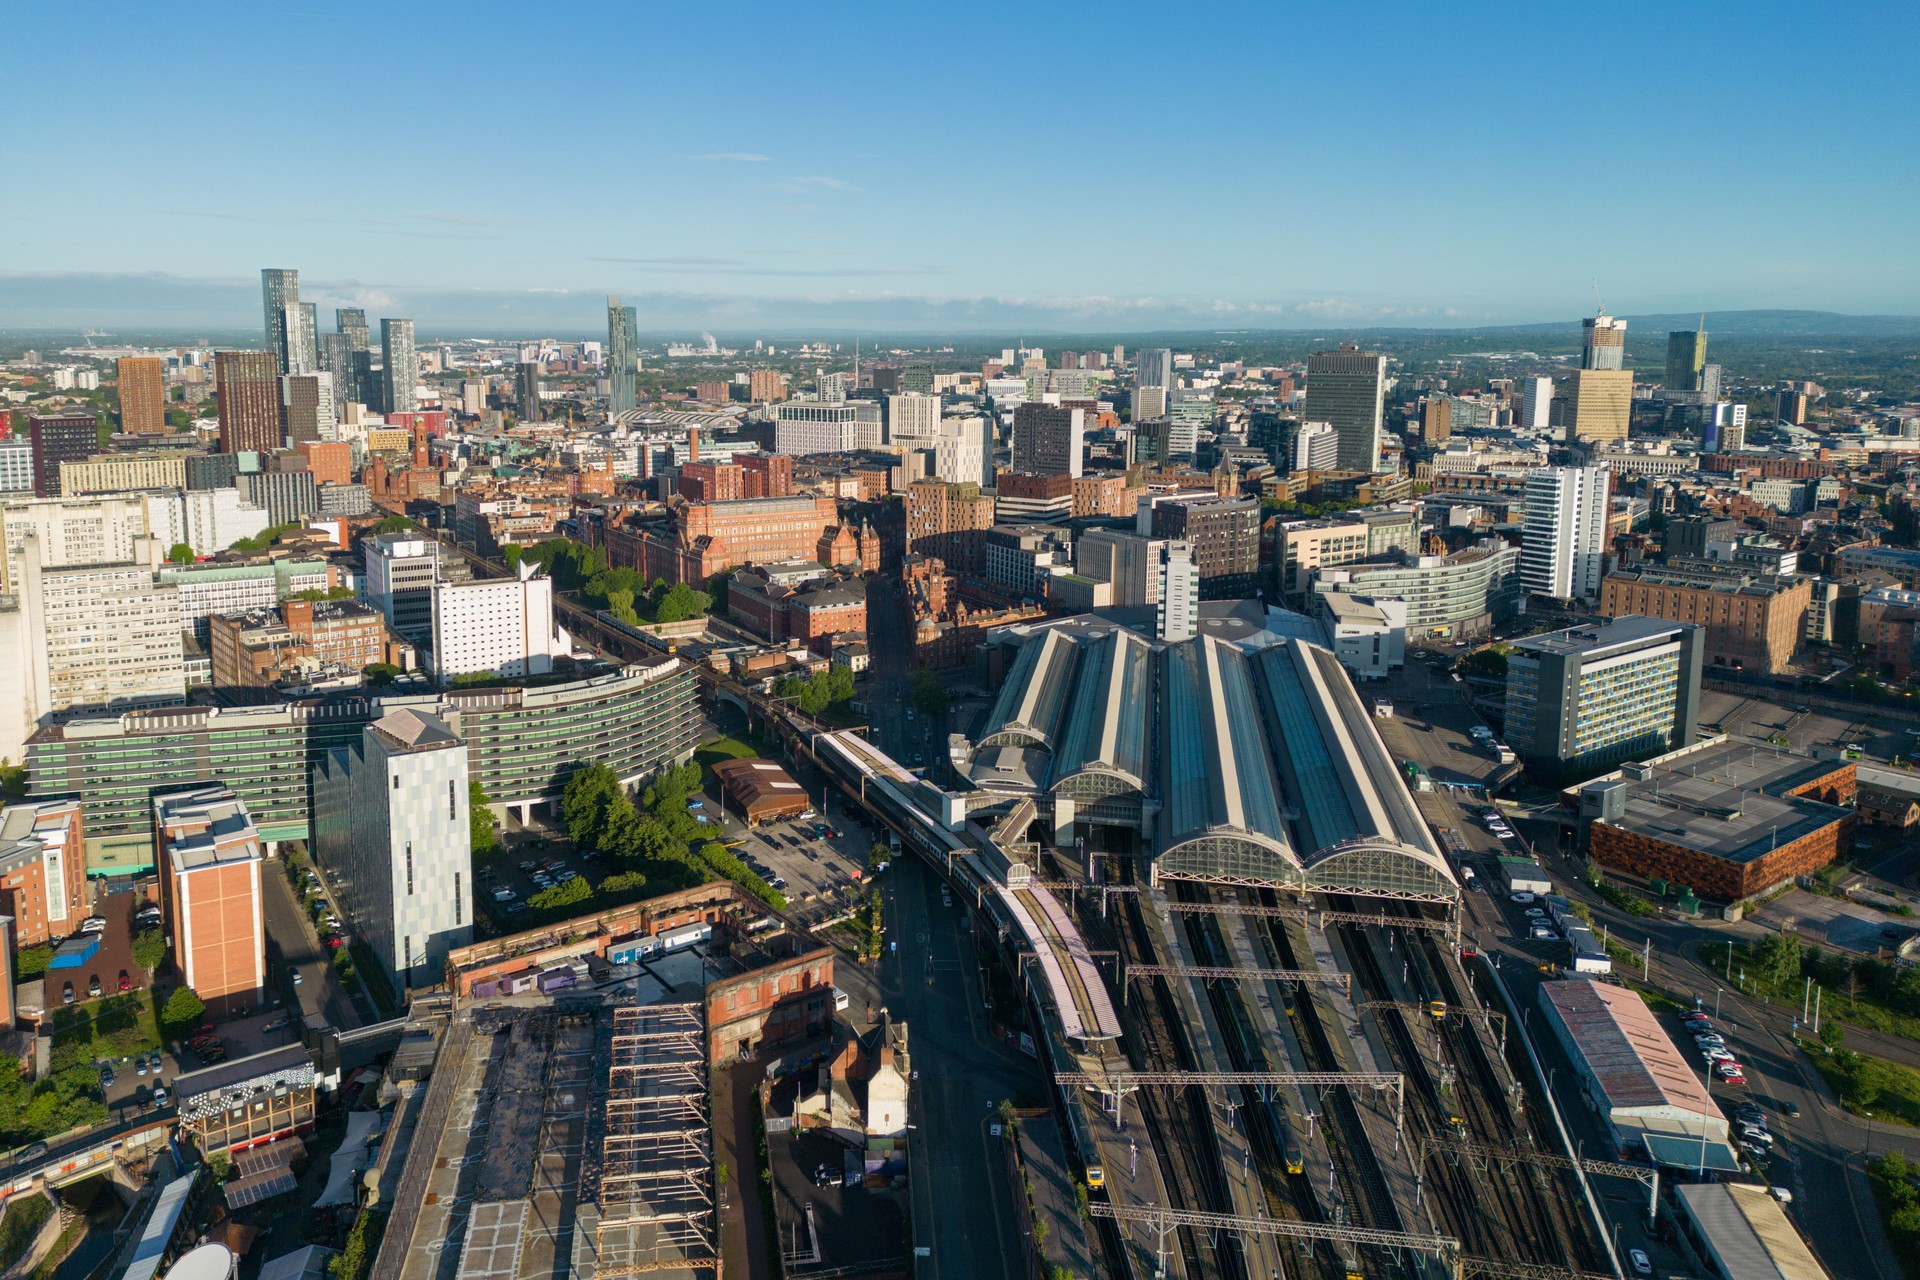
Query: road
[
  {"x": 292, "y": 945},
  {"x": 963, "y": 1206}
]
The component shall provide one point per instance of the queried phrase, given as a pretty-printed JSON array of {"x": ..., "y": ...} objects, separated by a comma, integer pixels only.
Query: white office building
[
  {"x": 1563, "y": 549},
  {"x": 499, "y": 625},
  {"x": 16, "y": 467},
  {"x": 402, "y": 569},
  {"x": 963, "y": 451},
  {"x": 1536, "y": 404},
  {"x": 913, "y": 417},
  {"x": 208, "y": 520},
  {"x": 1316, "y": 447},
  {"x": 390, "y": 827},
  {"x": 814, "y": 426},
  {"x": 1178, "y": 614},
  {"x": 1129, "y": 562}
]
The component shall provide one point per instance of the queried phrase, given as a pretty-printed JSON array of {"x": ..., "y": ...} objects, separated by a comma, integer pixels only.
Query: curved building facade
[{"x": 1463, "y": 594}]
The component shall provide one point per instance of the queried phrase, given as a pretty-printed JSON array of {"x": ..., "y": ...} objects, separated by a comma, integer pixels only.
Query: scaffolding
[
  {"x": 653, "y": 1183},
  {"x": 1481, "y": 1155}
]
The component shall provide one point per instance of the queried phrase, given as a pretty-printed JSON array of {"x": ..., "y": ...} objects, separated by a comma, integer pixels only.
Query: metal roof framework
[
  {"x": 1164, "y": 1221},
  {"x": 653, "y": 1186}
]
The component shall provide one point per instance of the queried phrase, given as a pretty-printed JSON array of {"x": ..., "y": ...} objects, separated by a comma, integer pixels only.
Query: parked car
[
  {"x": 1522, "y": 897},
  {"x": 1792, "y": 1109},
  {"x": 516, "y": 908},
  {"x": 294, "y": 976},
  {"x": 106, "y": 1077},
  {"x": 1732, "y": 1072},
  {"x": 94, "y": 924},
  {"x": 66, "y": 994},
  {"x": 528, "y": 864},
  {"x": 93, "y": 987},
  {"x": 160, "y": 1098},
  {"x": 1642, "y": 1265}
]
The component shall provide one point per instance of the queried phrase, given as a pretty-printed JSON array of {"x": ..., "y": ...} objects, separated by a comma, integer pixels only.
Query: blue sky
[{"x": 1074, "y": 166}]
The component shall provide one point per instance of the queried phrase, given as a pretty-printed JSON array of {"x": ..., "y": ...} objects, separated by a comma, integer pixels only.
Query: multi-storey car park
[{"x": 524, "y": 739}]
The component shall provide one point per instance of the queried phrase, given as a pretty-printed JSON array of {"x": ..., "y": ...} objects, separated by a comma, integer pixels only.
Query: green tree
[
  {"x": 583, "y": 805},
  {"x": 149, "y": 949},
  {"x": 480, "y": 820},
  {"x": 680, "y": 602},
  {"x": 180, "y": 553},
  {"x": 570, "y": 894},
  {"x": 380, "y": 673},
  {"x": 183, "y": 1012},
  {"x": 929, "y": 694},
  {"x": 393, "y": 524},
  {"x": 623, "y": 884},
  {"x": 1776, "y": 960},
  {"x": 13, "y": 781},
  {"x": 31, "y": 962},
  {"x": 510, "y": 555}
]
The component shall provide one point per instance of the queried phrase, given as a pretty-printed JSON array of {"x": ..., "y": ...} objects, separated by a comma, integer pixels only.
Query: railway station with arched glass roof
[{"x": 1249, "y": 761}]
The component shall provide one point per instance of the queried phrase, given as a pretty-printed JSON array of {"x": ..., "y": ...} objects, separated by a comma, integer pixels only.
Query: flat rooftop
[
  {"x": 1728, "y": 799},
  {"x": 1596, "y": 640}
]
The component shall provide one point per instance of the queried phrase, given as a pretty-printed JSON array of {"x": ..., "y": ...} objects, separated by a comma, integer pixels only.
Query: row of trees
[
  {"x": 622, "y": 591},
  {"x": 815, "y": 693}
]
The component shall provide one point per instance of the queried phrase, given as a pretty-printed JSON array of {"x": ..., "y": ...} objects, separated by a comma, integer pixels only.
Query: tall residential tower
[
  {"x": 1347, "y": 388},
  {"x": 623, "y": 323}
]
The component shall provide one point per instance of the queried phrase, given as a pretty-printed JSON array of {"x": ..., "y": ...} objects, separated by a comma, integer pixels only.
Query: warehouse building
[
  {"x": 1727, "y": 820},
  {"x": 1740, "y": 1232},
  {"x": 1634, "y": 1075},
  {"x": 760, "y": 790}
]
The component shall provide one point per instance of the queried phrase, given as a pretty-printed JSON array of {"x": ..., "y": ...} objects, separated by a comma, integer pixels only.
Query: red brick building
[
  {"x": 712, "y": 482},
  {"x": 43, "y": 870},
  {"x": 783, "y": 998},
  {"x": 696, "y": 540},
  {"x": 813, "y": 611},
  {"x": 209, "y": 856},
  {"x": 767, "y": 475},
  {"x": 331, "y": 461},
  {"x": 949, "y": 523}
]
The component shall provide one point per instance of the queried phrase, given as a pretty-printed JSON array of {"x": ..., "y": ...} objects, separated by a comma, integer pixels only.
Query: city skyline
[{"x": 1346, "y": 189}]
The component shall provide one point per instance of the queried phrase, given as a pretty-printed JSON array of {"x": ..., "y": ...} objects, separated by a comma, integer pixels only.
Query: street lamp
[{"x": 1717, "y": 993}]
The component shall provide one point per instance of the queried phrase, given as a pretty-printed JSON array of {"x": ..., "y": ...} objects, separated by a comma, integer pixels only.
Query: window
[
  {"x": 452, "y": 808},
  {"x": 459, "y": 901},
  {"x": 409, "y": 868},
  {"x": 396, "y": 782}
]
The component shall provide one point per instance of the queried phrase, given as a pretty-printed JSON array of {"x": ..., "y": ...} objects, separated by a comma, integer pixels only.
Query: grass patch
[
  {"x": 1867, "y": 1085},
  {"x": 63, "y": 1245},
  {"x": 116, "y": 1026},
  {"x": 22, "y": 1221},
  {"x": 711, "y": 753}
]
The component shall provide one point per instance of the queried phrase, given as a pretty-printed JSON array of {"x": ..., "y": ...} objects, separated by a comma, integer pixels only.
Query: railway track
[
  {"x": 1533, "y": 1222},
  {"x": 1179, "y": 1126},
  {"x": 1357, "y": 1172}
]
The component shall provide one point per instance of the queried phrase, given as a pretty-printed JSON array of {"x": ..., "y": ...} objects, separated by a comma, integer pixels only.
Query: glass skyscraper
[
  {"x": 623, "y": 390},
  {"x": 279, "y": 292},
  {"x": 402, "y": 369}
]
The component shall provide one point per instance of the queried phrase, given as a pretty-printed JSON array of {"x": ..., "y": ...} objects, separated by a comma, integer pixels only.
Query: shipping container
[
  {"x": 75, "y": 952},
  {"x": 557, "y": 980},
  {"x": 685, "y": 936}
]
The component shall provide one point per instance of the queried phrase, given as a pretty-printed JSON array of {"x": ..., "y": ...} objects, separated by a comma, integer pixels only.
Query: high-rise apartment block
[
  {"x": 1153, "y": 367},
  {"x": 949, "y": 522},
  {"x": 1129, "y": 562},
  {"x": 358, "y": 388},
  {"x": 100, "y": 637},
  {"x": 279, "y": 298},
  {"x": 402, "y": 569},
  {"x": 402, "y": 370},
  {"x": 1686, "y": 359},
  {"x": 1584, "y": 700},
  {"x": 623, "y": 357},
  {"x": 71, "y": 531},
  {"x": 766, "y": 386},
  {"x": 391, "y": 827},
  {"x": 58, "y": 438},
  {"x": 502, "y": 626},
  {"x": 143, "y": 395},
  {"x": 963, "y": 451},
  {"x": 210, "y": 863},
  {"x": 1224, "y": 535},
  {"x": 1564, "y": 540},
  {"x": 308, "y": 404},
  {"x": 526, "y": 390},
  {"x": 247, "y": 384},
  {"x": 1049, "y": 440},
  {"x": 1346, "y": 387},
  {"x": 1603, "y": 342}
]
